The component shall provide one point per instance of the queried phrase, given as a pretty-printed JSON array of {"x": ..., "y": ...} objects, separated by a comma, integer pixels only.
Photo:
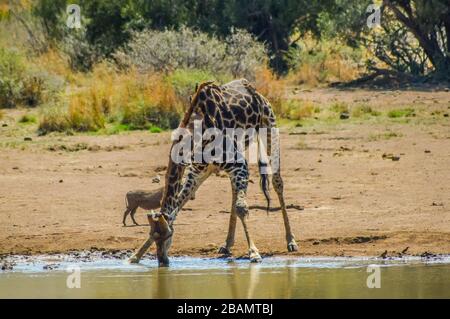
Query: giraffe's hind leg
[
  {"x": 277, "y": 182},
  {"x": 239, "y": 179}
]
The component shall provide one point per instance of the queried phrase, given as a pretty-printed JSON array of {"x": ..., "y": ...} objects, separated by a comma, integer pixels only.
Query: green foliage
[
  {"x": 155, "y": 129},
  {"x": 109, "y": 24},
  {"x": 27, "y": 119},
  {"x": 406, "y": 112}
]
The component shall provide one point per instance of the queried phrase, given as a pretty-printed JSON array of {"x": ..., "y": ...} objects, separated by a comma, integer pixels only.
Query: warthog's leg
[
  {"x": 125, "y": 214},
  {"x": 133, "y": 212}
]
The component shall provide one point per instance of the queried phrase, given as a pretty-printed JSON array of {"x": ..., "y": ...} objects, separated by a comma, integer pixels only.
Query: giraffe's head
[{"x": 161, "y": 232}]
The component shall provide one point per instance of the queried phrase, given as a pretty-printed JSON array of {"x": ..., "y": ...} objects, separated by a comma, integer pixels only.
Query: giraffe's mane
[{"x": 188, "y": 113}]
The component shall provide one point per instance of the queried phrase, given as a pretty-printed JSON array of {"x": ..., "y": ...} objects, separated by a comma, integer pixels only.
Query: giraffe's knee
[{"x": 241, "y": 208}]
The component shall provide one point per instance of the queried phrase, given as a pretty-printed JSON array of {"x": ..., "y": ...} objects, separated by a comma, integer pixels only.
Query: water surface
[{"x": 275, "y": 277}]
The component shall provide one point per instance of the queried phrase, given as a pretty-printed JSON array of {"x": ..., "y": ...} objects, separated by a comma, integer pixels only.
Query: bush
[
  {"x": 85, "y": 114},
  {"x": 298, "y": 109},
  {"x": 139, "y": 115},
  {"x": 53, "y": 119},
  {"x": 12, "y": 70},
  {"x": 21, "y": 83},
  {"x": 317, "y": 62},
  {"x": 166, "y": 51}
]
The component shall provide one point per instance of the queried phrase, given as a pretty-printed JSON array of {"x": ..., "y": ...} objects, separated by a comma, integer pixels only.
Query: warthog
[{"x": 143, "y": 199}]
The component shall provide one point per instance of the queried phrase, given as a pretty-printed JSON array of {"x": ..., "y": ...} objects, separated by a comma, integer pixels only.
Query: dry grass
[
  {"x": 107, "y": 95},
  {"x": 272, "y": 88}
]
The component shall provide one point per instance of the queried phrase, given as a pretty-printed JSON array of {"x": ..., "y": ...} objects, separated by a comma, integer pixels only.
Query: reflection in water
[{"x": 222, "y": 279}]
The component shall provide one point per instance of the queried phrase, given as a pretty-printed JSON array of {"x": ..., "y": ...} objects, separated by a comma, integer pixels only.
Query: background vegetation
[{"x": 133, "y": 63}]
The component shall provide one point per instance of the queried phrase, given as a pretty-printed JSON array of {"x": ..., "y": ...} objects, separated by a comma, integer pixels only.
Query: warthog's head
[{"x": 161, "y": 231}]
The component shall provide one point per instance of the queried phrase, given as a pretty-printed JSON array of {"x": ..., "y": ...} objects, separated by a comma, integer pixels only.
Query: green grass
[
  {"x": 405, "y": 112},
  {"x": 28, "y": 119},
  {"x": 155, "y": 129}
]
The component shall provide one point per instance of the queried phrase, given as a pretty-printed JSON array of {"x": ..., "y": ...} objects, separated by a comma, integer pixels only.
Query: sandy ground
[{"x": 356, "y": 202}]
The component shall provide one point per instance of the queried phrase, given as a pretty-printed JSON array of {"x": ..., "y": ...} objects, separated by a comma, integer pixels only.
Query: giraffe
[{"x": 233, "y": 105}]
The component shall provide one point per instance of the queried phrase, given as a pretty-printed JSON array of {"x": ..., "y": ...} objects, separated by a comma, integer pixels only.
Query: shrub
[
  {"x": 53, "y": 119},
  {"x": 166, "y": 51},
  {"x": 326, "y": 61},
  {"x": 362, "y": 110},
  {"x": 339, "y": 107},
  {"x": 22, "y": 83},
  {"x": 139, "y": 115},
  {"x": 85, "y": 114},
  {"x": 12, "y": 70},
  {"x": 298, "y": 109}
]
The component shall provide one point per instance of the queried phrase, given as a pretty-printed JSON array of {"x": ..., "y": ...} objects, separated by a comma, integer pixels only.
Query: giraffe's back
[{"x": 248, "y": 107}]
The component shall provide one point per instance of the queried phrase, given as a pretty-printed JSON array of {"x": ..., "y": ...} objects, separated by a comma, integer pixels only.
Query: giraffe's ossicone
[{"x": 235, "y": 105}]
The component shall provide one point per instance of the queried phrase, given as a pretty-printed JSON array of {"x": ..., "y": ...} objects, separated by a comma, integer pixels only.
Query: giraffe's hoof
[
  {"x": 292, "y": 246},
  {"x": 133, "y": 260},
  {"x": 255, "y": 258},
  {"x": 224, "y": 251}
]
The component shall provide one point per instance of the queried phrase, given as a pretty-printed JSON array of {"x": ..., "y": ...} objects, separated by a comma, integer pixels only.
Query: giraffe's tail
[{"x": 263, "y": 167}]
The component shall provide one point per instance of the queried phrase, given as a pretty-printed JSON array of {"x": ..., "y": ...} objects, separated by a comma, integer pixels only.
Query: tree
[
  {"x": 429, "y": 22},
  {"x": 275, "y": 22}
]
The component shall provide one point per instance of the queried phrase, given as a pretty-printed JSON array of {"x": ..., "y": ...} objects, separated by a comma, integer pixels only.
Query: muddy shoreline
[{"x": 52, "y": 261}]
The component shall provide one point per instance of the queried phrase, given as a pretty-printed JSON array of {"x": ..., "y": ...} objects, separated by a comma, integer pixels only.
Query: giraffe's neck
[{"x": 174, "y": 175}]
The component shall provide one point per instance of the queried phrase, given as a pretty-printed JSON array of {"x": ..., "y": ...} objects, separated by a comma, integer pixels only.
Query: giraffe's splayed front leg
[
  {"x": 224, "y": 251},
  {"x": 254, "y": 256}
]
